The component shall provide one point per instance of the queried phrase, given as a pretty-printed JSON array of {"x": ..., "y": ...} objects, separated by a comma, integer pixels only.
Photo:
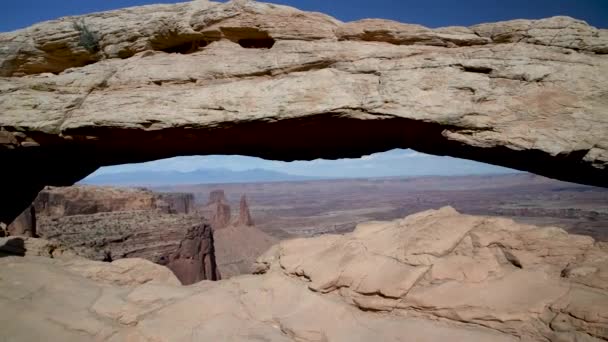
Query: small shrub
[{"x": 88, "y": 39}]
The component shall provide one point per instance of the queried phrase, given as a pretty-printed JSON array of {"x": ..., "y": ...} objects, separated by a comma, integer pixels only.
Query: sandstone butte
[
  {"x": 265, "y": 80},
  {"x": 433, "y": 276}
]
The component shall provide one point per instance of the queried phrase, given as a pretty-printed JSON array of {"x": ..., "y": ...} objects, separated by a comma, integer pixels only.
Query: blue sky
[{"x": 431, "y": 13}]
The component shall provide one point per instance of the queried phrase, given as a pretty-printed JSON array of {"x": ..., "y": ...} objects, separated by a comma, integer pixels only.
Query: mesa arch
[{"x": 265, "y": 80}]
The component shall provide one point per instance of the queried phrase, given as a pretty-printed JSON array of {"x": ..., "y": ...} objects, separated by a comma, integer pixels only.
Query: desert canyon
[
  {"x": 106, "y": 224},
  {"x": 86, "y": 263}
]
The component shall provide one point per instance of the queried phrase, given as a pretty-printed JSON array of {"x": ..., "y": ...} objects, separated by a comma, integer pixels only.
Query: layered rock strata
[
  {"x": 238, "y": 242},
  {"x": 271, "y": 81},
  {"x": 106, "y": 224},
  {"x": 194, "y": 259},
  {"x": 244, "y": 218},
  {"x": 88, "y": 199}
]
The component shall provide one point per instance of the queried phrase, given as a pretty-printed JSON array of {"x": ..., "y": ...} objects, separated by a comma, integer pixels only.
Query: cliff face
[
  {"x": 176, "y": 203},
  {"x": 216, "y": 196},
  {"x": 194, "y": 259},
  {"x": 87, "y": 199},
  {"x": 237, "y": 241},
  {"x": 24, "y": 224},
  {"x": 105, "y": 223},
  {"x": 218, "y": 209},
  {"x": 244, "y": 214},
  {"x": 83, "y": 200},
  {"x": 221, "y": 215}
]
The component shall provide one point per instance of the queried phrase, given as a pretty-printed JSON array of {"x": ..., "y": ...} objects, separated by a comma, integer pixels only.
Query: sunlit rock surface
[
  {"x": 433, "y": 276},
  {"x": 259, "y": 79}
]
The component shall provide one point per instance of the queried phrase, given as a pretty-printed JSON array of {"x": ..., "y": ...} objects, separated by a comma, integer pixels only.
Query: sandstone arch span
[{"x": 264, "y": 80}]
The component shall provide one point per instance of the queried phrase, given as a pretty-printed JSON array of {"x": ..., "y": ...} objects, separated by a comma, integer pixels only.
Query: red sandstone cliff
[
  {"x": 81, "y": 200},
  {"x": 220, "y": 209},
  {"x": 216, "y": 196},
  {"x": 244, "y": 214},
  {"x": 238, "y": 243},
  {"x": 194, "y": 259},
  {"x": 221, "y": 215},
  {"x": 104, "y": 223}
]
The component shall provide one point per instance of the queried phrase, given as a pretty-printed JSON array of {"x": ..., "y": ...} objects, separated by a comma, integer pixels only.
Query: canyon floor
[{"x": 309, "y": 208}]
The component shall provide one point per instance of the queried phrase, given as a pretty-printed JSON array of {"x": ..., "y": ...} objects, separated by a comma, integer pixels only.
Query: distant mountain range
[{"x": 201, "y": 176}]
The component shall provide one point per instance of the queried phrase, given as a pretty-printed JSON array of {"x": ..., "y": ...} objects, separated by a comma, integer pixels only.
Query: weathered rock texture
[
  {"x": 216, "y": 196},
  {"x": 434, "y": 276},
  {"x": 265, "y": 80},
  {"x": 28, "y": 246},
  {"x": 105, "y": 224},
  {"x": 221, "y": 215},
  {"x": 194, "y": 259},
  {"x": 218, "y": 209},
  {"x": 244, "y": 218},
  {"x": 176, "y": 203},
  {"x": 88, "y": 199},
  {"x": 237, "y": 248},
  {"x": 24, "y": 224},
  {"x": 238, "y": 243},
  {"x": 534, "y": 283},
  {"x": 147, "y": 234}
]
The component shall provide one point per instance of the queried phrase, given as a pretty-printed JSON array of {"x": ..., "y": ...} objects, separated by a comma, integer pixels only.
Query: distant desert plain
[{"x": 309, "y": 208}]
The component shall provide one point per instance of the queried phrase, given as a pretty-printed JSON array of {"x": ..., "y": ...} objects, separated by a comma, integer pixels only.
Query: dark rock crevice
[
  {"x": 262, "y": 43},
  {"x": 186, "y": 47}
]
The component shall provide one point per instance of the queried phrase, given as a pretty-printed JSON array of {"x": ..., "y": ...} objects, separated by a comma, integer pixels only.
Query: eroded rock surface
[
  {"x": 238, "y": 243},
  {"x": 24, "y": 224},
  {"x": 259, "y": 79},
  {"x": 194, "y": 259},
  {"x": 221, "y": 215},
  {"x": 88, "y": 199},
  {"x": 433, "y": 276},
  {"x": 28, "y": 246},
  {"x": 238, "y": 247},
  {"x": 106, "y": 224},
  {"x": 517, "y": 279},
  {"x": 244, "y": 219}
]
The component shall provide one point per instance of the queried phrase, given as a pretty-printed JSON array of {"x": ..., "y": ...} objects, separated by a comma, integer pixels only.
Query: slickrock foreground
[
  {"x": 433, "y": 276},
  {"x": 265, "y": 80}
]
